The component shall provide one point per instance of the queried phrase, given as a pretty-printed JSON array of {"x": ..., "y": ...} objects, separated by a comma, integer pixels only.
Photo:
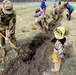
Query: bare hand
[{"x": 6, "y": 38}]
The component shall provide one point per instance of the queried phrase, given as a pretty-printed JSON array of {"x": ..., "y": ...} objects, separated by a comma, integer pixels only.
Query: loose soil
[{"x": 34, "y": 57}]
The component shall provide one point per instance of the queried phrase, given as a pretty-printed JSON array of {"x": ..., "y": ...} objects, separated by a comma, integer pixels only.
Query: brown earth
[{"x": 33, "y": 58}]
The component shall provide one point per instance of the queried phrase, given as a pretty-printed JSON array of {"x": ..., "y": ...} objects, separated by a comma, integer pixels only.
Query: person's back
[{"x": 70, "y": 7}]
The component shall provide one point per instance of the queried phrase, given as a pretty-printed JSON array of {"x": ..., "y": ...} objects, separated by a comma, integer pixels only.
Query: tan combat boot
[
  {"x": 15, "y": 52},
  {"x": 3, "y": 52},
  {"x": 53, "y": 70}
]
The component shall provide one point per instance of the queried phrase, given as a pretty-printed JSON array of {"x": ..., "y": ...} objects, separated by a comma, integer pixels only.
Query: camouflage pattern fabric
[
  {"x": 7, "y": 22},
  {"x": 58, "y": 47}
]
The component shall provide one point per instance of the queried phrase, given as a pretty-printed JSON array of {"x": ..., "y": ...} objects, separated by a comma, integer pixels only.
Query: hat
[
  {"x": 7, "y": 7},
  {"x": 60, "y": 31}
]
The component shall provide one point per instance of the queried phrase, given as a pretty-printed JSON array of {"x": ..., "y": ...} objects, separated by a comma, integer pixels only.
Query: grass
[
  {"x": 71, "y": 28},
  {"x": 25, "y": 21}
]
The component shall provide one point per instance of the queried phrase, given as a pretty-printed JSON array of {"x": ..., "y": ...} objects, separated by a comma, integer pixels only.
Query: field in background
[
  {"x": 26, "y": 30},
  {"x": 23, "y": 5},
  {"x": 70, "y": 64},
  {"x": 71, "y": 27},
  {"x": 25, "y": 21}
]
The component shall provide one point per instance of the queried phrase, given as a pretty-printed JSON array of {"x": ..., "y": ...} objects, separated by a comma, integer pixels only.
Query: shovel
[
  {"x": 9, "y": 41},
  {"x": 12, "y": 44}
]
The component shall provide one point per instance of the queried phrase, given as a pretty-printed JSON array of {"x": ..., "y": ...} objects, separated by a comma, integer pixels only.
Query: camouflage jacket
[
  {"x": 7, "y": 19},
  {"x": 59, "y": 48}
]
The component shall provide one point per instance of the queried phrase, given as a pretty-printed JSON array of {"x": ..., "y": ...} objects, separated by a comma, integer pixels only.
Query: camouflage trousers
[
  {"x": 41, "y": 21},
  {"x": 8, "y": 31}
]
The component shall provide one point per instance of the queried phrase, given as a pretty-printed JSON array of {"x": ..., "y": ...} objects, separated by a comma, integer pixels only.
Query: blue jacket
[
  {"x": 69, "y": 7},
  {"x": 43, "y": 5}
]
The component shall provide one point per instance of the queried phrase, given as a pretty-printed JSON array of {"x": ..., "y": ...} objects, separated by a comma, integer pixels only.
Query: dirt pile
[{"x": 33, "y": 58}]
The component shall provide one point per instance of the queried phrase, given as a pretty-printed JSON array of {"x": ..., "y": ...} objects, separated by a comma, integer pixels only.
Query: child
[
  {"x": 38, "y": 13},
  {"x": 43, "y": 7},
  {"x": 38, "y": 20},
  {"x": 70, "y": 9},
  {"x": 59, "y": 48}
]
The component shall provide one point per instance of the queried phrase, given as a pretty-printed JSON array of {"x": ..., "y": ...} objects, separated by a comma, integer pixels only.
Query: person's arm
[
  {"x": 12, "y": 26},
  {"x": 68, "y": 7},
  {"x": 59, "y": 51}
]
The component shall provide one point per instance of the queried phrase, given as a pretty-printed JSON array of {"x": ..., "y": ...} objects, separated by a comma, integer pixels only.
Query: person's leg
[
  {"x": 11, "y": 31},
  {"x": 69, "y": 16},
  {"x": 43, "y": 12},
  {"x": 56, "y": 67},
  {"x": 45, "y": 21},
  {"x": 40, "y": 23},
  {"x": 2, "y": 41},
  {"x": 36, "y": 21}
]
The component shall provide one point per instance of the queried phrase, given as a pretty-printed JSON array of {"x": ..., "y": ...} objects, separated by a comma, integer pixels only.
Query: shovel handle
[{"x": 9, "y": 41}]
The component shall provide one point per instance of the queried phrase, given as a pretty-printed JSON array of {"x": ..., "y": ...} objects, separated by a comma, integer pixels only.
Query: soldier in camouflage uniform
[
  {"x": 59, "y": 48},
  {"x": 7, "y": 22}
]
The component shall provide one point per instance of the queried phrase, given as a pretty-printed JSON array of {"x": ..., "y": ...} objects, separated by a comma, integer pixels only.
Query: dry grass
[
  {"x": 69, "y": 66},
  {"x": 25, "y": 21},
  {"x": 71, "y": 27}
]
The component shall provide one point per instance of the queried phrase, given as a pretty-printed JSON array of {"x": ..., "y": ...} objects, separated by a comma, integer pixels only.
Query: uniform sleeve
[
  {"x": 12, "y": 24},
  {"x": 59, "y": 50},
  {"x": 0, "y": 16}
]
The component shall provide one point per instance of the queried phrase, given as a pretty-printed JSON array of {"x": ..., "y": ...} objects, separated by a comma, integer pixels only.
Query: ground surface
[
  {"x": 37, "y": 47},
  {"x": 42, "y": 48}
]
